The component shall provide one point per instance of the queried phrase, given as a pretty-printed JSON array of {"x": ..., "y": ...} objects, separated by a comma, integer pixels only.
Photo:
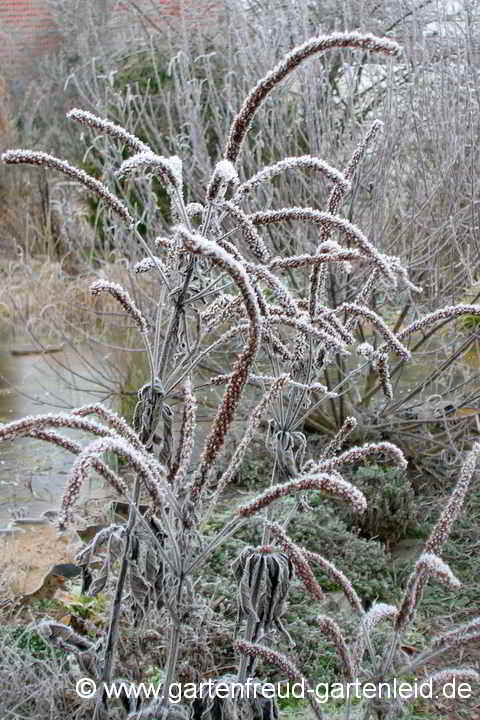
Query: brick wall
[{"x": 28, "y": 28}]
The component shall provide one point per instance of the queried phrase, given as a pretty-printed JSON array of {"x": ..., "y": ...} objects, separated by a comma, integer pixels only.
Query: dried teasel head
[{"x": 263, "y": 575}]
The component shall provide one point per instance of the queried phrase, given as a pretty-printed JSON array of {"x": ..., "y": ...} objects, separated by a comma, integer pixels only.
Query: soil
[{"x": 28, "y": 555}]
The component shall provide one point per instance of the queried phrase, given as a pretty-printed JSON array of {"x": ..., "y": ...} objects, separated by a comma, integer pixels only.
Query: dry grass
[
  {"x": 44, "y": 307},
  {"x": 39, "y": 292}
]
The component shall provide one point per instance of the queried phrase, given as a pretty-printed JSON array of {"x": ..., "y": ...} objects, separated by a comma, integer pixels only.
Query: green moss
[
  {"x": 363, "y": 561},
  {"x": 146, "y": 71},
  {"x": 28, "y": 642},
  {"x": 391, "y": 513}
]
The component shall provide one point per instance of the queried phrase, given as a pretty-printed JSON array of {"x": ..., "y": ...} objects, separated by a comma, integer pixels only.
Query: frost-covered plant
[
  {"x": 360, "y": 659},
  {"x": 392, "y": 511},
  {"x": 220, "y": 287}
]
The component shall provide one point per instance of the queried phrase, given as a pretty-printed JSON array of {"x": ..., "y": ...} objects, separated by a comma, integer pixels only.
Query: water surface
[{"x": 33, "y": 472}]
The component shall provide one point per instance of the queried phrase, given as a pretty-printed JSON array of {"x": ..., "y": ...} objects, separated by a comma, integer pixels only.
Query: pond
[{"x": 32, "y": 472}]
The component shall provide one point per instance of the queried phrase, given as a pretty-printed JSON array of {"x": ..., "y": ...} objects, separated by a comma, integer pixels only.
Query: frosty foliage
[
  {"x": 29, "y": 157},
  {"x": 231, "y": 313}
]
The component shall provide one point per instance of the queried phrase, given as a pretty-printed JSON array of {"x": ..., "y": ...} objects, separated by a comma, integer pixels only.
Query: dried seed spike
[
  {"x": 277, "y": 659},
  {"x": 253, "y": 424},
  {"x": 29, "y": 157},
  {"x": 426, "y": 566},
  {"x": 332, "y": 484},
  {"x": 337, "y": 192},
  {"x": 449, "y": 312},
  {"x": 365, "y": 350},
  {"x": 116, "y": 131},
  {"x": 284, "y": 664},
  {"x": 332, "y": 630},
  {"x": 187, "y": 435},
  {"x": 317, "y": 276},
  {"x": 391, "y": 340},
  {"x": 280, "y": 291},
  {"x": 377, "y": 613},
  {"x": 194, "y": 209},
  {"x": 307, "y": 162},
  {"x": 230, "y": 248},
  {"x": 296, "y": 261},
  {"x": 250, "y": 235},
  {"x": 328, "y": 338},
  {"x": 262, "y": 380},
  {"x": 442, "y": 677},
  {"x": 336, "y": 442},
  {"x": 57, "y": 439},
  {"x": 363, "y": 296},
  {"x": 224, "y": 307},
  {"x": 330, "y": 222},
  {"x": 441, "y": 531},
  {"x": 121, "y": 295},
  {"x": 439, "y": 569},
  {"x": 197, "y": 244},
  {"x": 409, "y": 601},
  {"x": 298, "y": 560},
  {"x": 356, "y": 454},
  {"x": 223, "y": 175},
  {"x": 26, "y": 425},
  {"x": 458, "y": 636},
  {"x": 398, "y": 268},
  {"x": 114, "y": 480},
  {"x": 110, "y": 417},
  {"x": 438, "y": 537},
  {"x": 357, "y": 156},
  {"x": 93, "y": 451},
  {"x": 277, "y": 345},
  {"x": 339, "y": 578},
  {"x": 290, "y": 61},
  {"x": 168, "y": 169},
  {"x": 380, "y": 365},
  {"x": 149, "y": 263}
]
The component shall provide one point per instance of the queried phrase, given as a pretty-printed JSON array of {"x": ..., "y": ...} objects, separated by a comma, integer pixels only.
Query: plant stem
[
  {"x": 266, "y": 527},
  {"x": 391, "y": 652},
  {"x": 173, "y": 648},
  {"x": 101, "y": 703},
  {"x": 169, "y": 342},
  {"x": 242, "y": 670}
]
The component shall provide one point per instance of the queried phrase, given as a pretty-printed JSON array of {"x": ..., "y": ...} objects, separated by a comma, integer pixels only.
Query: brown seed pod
[{"x": 263, "y": 575}]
